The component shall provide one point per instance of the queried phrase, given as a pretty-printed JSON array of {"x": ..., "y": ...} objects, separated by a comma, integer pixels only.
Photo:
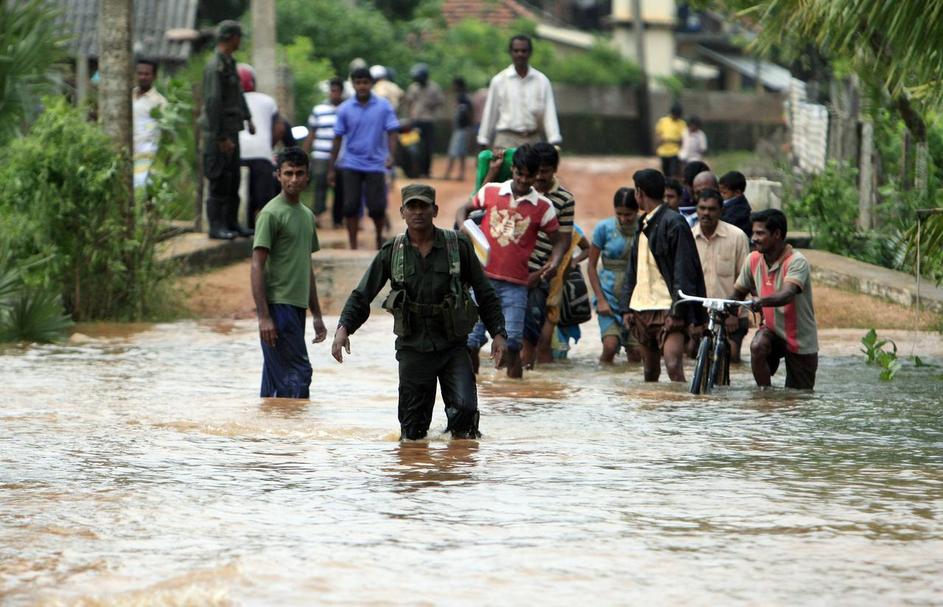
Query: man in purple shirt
[{"x": 368, "y": 127}]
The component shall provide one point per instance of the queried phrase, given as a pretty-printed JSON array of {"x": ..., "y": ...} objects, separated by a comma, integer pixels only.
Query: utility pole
[
  {"x": 116, "y": 65},
  {"x": 645, "y": 100},
  {"x": 865, "y": 176},
  {"x": 263, "y": 47}
]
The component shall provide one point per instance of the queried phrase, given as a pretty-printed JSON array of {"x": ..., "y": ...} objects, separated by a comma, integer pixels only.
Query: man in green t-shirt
[{"x": 283, "y": 282}]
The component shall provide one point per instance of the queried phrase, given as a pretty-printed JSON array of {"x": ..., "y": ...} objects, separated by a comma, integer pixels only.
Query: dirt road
[{"x": 225, "y": 293}]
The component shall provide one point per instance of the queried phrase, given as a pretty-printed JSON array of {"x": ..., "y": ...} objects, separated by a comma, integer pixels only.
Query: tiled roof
[
  {"x": 151, "y": 19},
  {"x": 500, "y": 13}
]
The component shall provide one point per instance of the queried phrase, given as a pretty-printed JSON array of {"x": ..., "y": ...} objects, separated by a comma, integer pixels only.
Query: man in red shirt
[{"x": 514, "y": 214}]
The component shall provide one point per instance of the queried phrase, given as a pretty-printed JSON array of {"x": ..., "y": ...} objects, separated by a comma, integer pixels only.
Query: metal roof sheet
[
  {"x": 152, "y": 18},
  {"x": 774, "y": 77}
]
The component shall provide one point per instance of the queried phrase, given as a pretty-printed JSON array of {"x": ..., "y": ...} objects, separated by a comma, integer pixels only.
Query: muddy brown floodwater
[{"x": 137, "y": 468}]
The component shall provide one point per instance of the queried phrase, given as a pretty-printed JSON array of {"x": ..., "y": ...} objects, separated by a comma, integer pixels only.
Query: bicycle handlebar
[{"x": 713, "y": 303}]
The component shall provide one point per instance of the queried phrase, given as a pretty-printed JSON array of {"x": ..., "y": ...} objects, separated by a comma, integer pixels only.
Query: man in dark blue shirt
[{"x": 736, "y": 206}]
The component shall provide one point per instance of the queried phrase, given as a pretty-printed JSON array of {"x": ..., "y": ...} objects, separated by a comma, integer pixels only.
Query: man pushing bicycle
[{"x": 778, "y": 278}]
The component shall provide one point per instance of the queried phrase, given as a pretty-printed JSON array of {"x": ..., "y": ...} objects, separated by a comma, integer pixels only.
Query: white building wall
[{"x": 659, "y": 19}]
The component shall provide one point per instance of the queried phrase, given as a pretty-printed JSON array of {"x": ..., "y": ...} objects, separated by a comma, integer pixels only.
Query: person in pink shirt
[{"x": 514, "y": 214}]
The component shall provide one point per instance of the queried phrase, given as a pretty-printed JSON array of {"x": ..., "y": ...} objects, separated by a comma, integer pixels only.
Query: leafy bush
[
  {"x": 828, "y": 208},
  {"x": 173, "y": 178},
  {"x": 63, "y": 200},
  {"x": 600, "y": 65},
  {"x": 33, "y": 314}
]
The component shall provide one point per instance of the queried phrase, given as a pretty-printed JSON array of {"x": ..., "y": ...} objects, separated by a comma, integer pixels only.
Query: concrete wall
[{"x": 605, "y": 120}]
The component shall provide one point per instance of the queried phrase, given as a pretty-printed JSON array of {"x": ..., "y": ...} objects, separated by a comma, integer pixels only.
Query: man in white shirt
[
  {"x": 145, "y": 99},
  {"x": 520, "y": 107},
  {"x": 693, "y": 142},
  {"x": 256, "y": 148}
]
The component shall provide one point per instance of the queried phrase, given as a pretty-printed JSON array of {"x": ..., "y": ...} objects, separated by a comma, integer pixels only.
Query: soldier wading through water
[{"x": 430, "y": 270}]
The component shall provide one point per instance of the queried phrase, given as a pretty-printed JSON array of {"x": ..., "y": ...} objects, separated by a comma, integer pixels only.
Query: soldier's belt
[{"x": 425, "y": 310}]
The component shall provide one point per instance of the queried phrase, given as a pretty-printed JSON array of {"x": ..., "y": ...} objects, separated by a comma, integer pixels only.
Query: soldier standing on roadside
[{"x": 224, "y": 113}]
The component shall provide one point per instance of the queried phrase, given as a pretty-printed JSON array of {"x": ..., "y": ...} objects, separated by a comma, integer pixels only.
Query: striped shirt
[
  {"x": 795, "y": 322},
  {"x": 565, "y": 206},
  {"x": 321, "y": 121}
]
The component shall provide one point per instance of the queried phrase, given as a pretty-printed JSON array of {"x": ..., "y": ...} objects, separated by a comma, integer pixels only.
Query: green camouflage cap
[
  {"x": 227, "y": 29},
  {"x": 418, "y": 191}
]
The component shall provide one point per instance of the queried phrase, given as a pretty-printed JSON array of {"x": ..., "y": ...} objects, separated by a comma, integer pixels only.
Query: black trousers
[
  {"x": 670, "y": 167},
  {"x": 337, "y": 206},
  {"x": 426, "y": 145},
  {"x": 418, "y": 374},
  {"x": 319, "y": 186},
  {"x": 261, "y": 185},
  {"x": 222, "y": 171},
  {"x": 360, "y": 187}
]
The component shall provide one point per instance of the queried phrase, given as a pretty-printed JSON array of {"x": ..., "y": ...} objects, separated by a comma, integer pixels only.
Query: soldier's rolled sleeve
[
  {"x": 357, "y": 309},
  {"x": 489, "y": 306}
]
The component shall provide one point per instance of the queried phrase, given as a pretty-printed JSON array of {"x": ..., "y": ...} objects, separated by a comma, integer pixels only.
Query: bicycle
[{"x": 712, "y": 366}]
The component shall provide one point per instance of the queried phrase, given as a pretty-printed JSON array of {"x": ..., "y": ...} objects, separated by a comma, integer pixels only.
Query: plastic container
[{"x": 478, "y": 240}]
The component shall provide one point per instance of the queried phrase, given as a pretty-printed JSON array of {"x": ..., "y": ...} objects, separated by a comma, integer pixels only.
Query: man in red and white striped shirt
[{"x": 514, "y": 214}]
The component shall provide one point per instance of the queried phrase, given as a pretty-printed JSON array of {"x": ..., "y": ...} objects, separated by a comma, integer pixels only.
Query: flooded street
[{"x": 141, "y": 469}]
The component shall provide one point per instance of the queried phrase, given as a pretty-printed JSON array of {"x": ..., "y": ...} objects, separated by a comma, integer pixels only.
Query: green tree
[
  {"x": 308, "y": 71},
  {"x": 600, "y": 65},
  {"x": 484, "y": 53},
  {"x": 339, "y": 32},
  {"x": 30, "y": 45}
]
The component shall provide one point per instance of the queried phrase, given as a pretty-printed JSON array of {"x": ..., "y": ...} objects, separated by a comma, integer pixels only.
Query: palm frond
[
  {"x": 34, "y": 315},
  {"x": 30, "y": 45},
  {"x": 897, "y": 43}
]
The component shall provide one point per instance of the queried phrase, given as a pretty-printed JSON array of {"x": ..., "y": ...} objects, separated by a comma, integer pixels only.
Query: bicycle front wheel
[
  {"x": 699, "y": 385},
  {"x": 720, "y": 365}
]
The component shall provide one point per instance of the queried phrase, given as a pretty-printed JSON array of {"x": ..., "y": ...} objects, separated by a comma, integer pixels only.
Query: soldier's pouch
[
  {"x": 459, "y": 314},
  {"x": 213, "y": 165},
  {"x": 395, "y": 304}
]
